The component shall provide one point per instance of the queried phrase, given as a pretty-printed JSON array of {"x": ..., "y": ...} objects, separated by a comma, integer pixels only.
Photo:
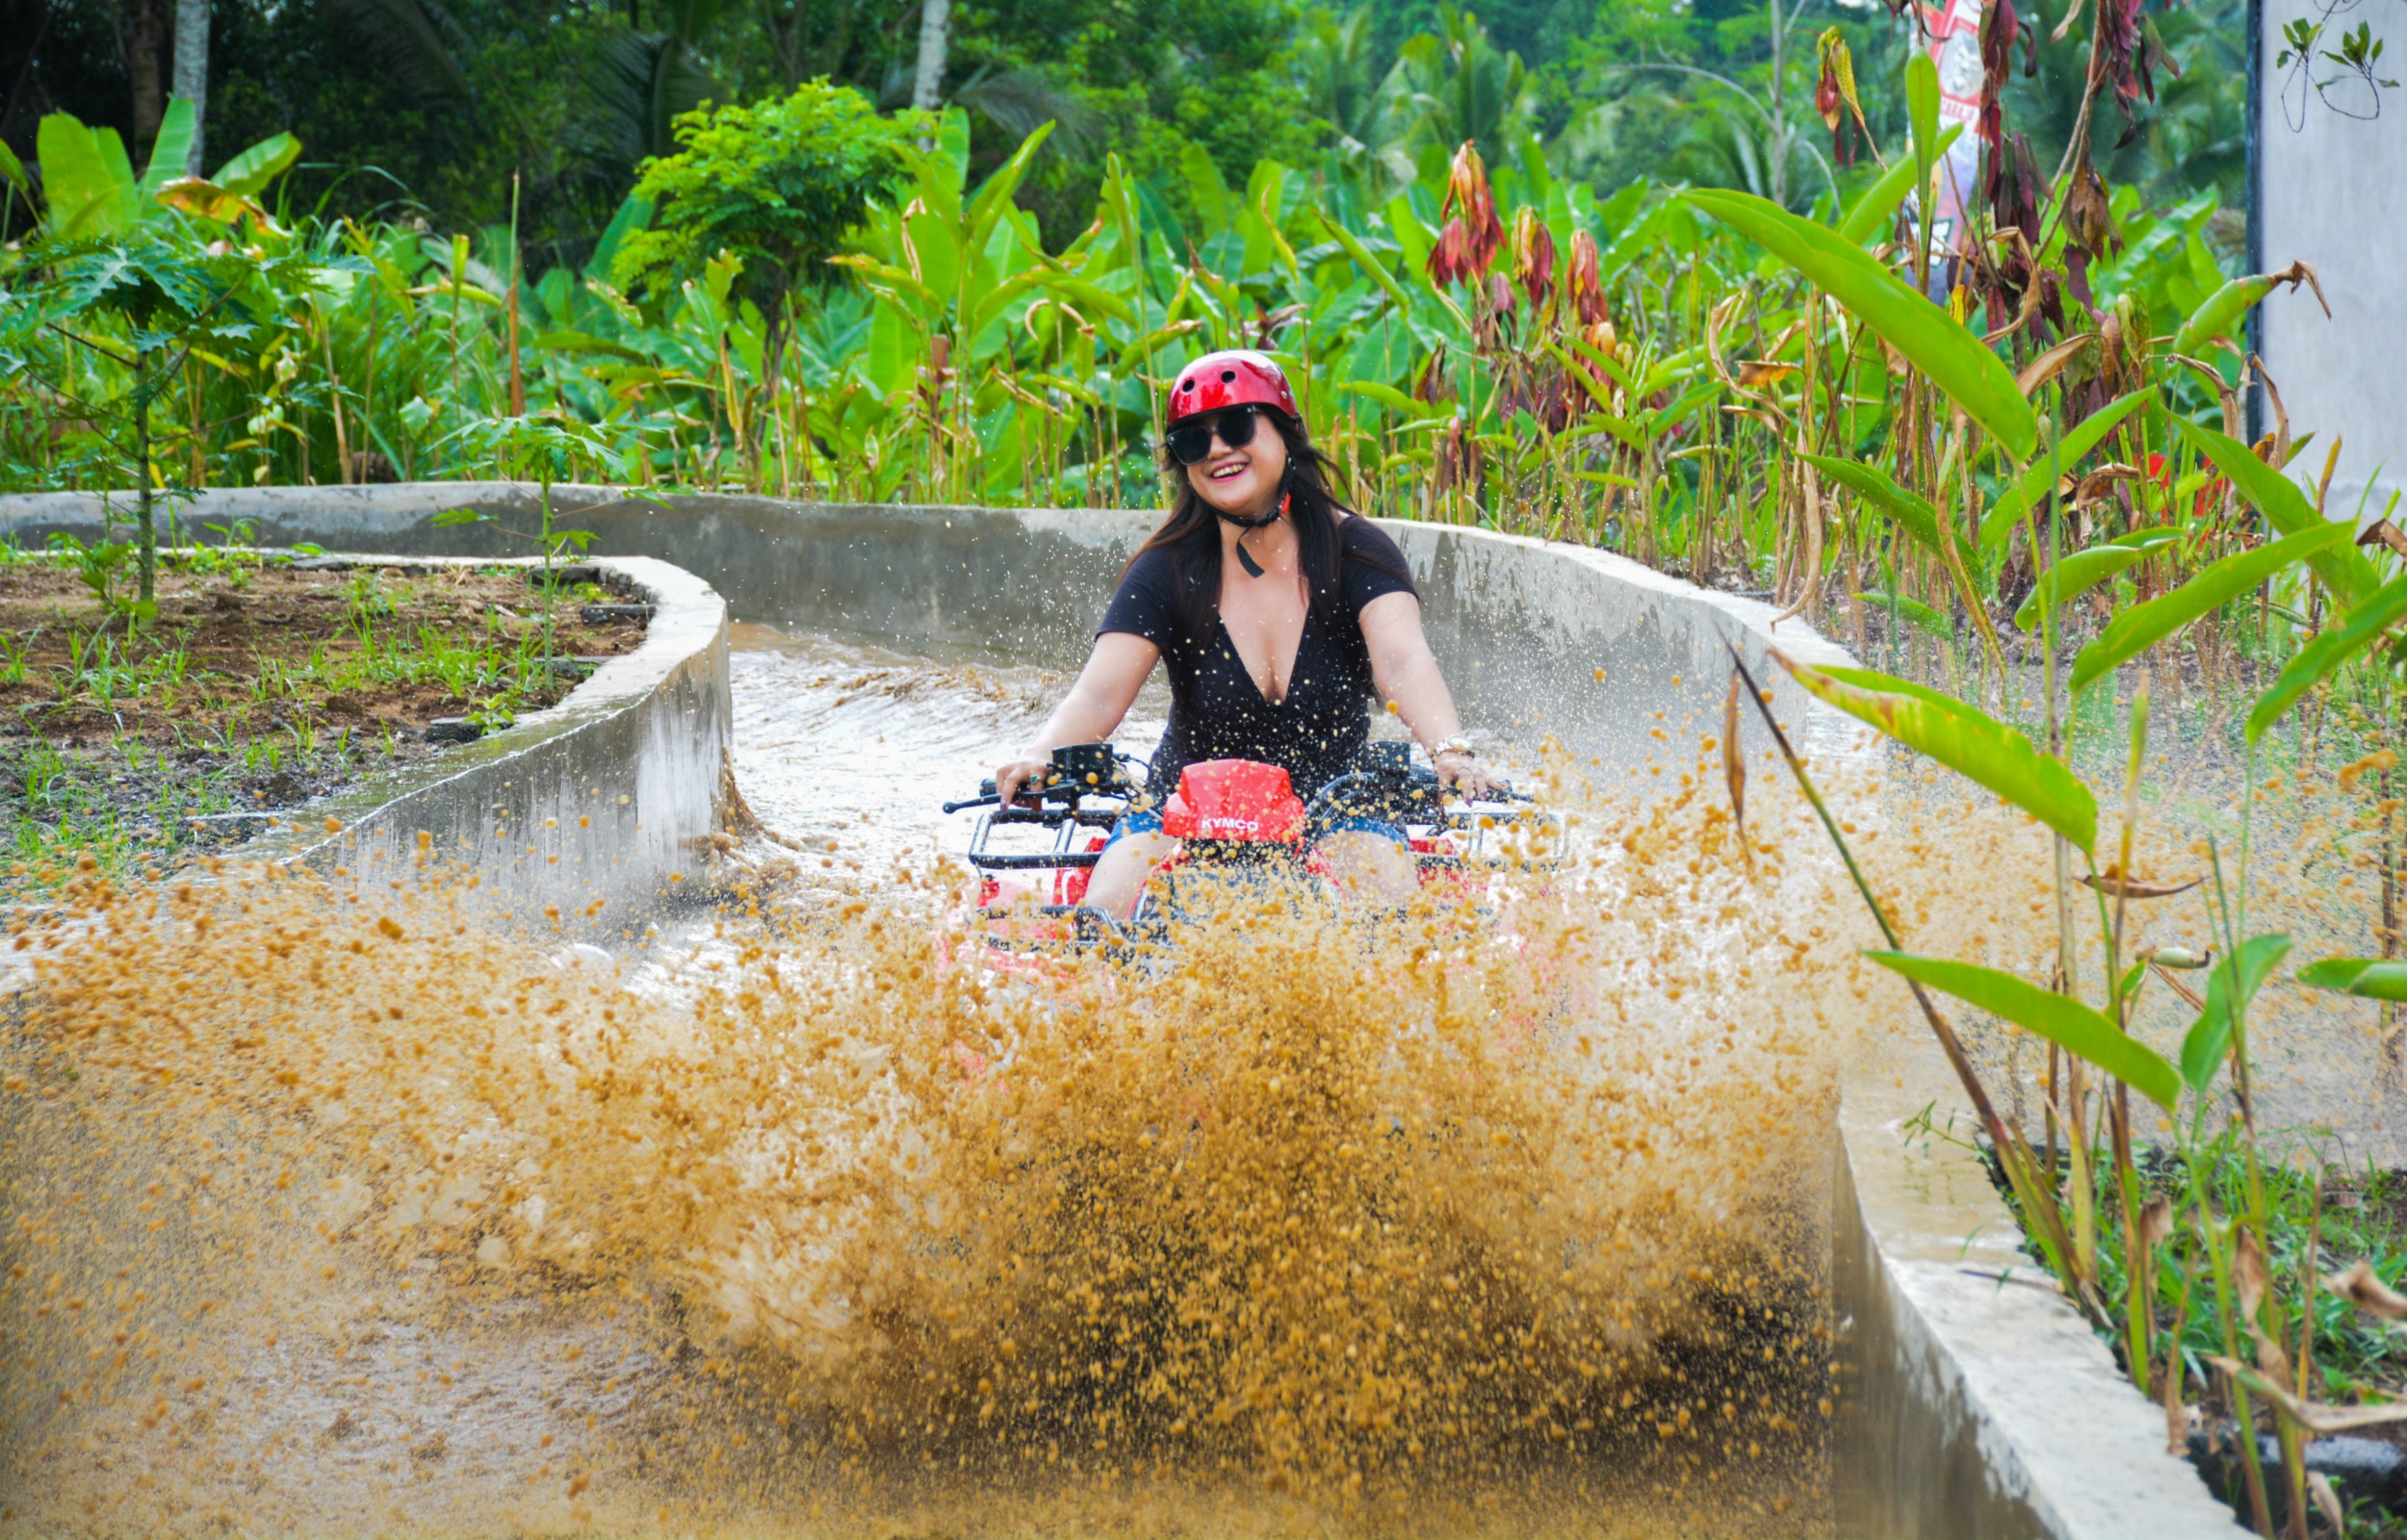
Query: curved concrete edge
[
  {"x": 1975, "y": 1402},
  {"x": 589, "y": 811},
  {"x": 592, "y": 809}
]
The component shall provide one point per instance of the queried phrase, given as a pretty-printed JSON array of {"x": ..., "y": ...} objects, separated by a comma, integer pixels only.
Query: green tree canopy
[{"x": 775, "y": 186}]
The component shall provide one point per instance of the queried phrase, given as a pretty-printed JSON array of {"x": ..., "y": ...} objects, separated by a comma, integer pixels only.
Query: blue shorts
[{"x": 1148, "y": 821}]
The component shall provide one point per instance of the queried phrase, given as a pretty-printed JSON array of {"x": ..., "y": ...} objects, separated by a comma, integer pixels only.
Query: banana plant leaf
[
  {"x": 2313, "y": 664},
  {"x": 168, "y": 152},
  {"x": 86, "y": 181},
  {"x": 253, "y": 170},
  {"x": 2059, "y": 1018},
  {"x": 1974, "y": 744},
  {"x": 2136, "y": 629}
]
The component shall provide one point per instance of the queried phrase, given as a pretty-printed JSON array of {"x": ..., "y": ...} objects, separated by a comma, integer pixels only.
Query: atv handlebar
[
  {"x": 1380, "y": 787},
  {"x": 1032, "y": 795},
  {"x": 1375, "y": 791}
]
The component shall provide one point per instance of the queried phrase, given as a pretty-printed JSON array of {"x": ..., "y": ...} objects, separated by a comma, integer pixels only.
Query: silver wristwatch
[{"x": 1458, "y": 744}]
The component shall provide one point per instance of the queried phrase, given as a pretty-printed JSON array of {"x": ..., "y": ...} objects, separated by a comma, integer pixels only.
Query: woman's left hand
[{"x": 1464, "y": 774}]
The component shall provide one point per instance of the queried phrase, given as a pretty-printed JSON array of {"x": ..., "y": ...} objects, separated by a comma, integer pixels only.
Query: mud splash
[{"x": 337, "y": 1215}]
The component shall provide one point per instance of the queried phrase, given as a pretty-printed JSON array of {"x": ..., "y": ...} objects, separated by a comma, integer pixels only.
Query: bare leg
[
  {"x": 1370, "y": 866},
  {"x": 1120, "y": 877}
]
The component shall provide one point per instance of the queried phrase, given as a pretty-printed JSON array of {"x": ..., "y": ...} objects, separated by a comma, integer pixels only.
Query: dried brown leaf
[
  {"x": 2156, "y": 1222},
  {"x": 2248, "y": 1275},
  {"x": 2358, "y": 1286},
  {"x": 2327, "y": 1502},
  {"x": 2116, "y": 888},
  {"x": 2050, "y": 364},
  {"x": 2373, "y": 529},
  {"x": 2095, "y": 484},
  {"x": 2315, "y": 1416}
]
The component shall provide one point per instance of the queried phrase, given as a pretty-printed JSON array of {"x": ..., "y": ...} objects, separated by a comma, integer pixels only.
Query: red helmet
[{"x": 1231, "y": 377}]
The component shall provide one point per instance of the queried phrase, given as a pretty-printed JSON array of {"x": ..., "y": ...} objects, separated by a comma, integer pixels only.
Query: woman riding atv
[{"x": 1278, "y": 610}]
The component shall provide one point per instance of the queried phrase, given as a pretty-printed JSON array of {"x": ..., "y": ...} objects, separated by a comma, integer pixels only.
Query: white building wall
[{"x": 2333, "y": 190}]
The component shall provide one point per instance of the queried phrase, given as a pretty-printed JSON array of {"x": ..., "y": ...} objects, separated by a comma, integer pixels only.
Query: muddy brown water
[{"x": 330, "y": 1215}]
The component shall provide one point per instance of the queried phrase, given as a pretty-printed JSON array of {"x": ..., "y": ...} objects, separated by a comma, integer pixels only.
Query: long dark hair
[{"x": 1191, "y": 535}]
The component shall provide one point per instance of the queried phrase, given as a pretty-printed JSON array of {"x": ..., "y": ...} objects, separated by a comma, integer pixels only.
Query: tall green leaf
[
  {"x": 1908, "y": 510},
  {"x": 994, "y": 194},
  {"x": 1872, "y": 211},
  {"x": 2220, "y": 316},
  {"x": 1369, "y": 263},
  {"x": 1919, "y": 614},
  {"x": 1922, "y": 117},
  {"x": 2083, "y": 570},
  {"x": 2343, "y": 568},
  {"x": 2059, "y": 1018},
  {"x": 634, "y": 213},
  {"x": 2210, "y": 1036},
  {"x": 1955, "y": 360},
  {"x": 2313, "y": 664},
  {"x": 167, "y": 151},
  {"x": 2032, "y": 484},
  {"x": 2368, "y": 978},
  {"x": 1978, "y": 747},
  {"x": 1207, "y": 189},
  {"x": 2136, "y": 629}
]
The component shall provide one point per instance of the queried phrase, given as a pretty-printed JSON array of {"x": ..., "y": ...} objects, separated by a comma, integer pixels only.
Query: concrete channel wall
[
  {"x": 1975, "y": 1404},
  {"x": 584, "y": 815}
]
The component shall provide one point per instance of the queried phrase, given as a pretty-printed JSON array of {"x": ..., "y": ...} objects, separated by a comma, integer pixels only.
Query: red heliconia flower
[
  {"x": 1450, "y": 259},
  {"x": 1533, "y": 257},
  {"x": 1586, "y": 279},
  {"x": 1467, "y": 189}
]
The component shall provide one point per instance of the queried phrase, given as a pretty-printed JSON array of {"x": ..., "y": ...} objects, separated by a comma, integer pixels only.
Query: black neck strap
[{"x": 1245, "y": 558}]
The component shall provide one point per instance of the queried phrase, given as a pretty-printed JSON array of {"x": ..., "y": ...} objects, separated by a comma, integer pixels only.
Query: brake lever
[{"x": 1030, "y": 796}]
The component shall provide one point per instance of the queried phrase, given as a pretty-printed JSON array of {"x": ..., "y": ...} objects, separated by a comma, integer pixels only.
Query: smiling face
[{"x": 1243, "y": 482}]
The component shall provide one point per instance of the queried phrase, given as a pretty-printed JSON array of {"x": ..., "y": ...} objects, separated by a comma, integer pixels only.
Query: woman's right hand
[{"x": 1014, "y": 774}]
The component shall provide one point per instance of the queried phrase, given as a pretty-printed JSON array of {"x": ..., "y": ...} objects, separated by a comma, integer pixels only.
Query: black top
[{"x": 1217, "y": 712}]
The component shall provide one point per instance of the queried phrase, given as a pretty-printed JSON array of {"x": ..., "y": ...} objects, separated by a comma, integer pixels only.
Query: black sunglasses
[{"x": 1191, "y": 441}]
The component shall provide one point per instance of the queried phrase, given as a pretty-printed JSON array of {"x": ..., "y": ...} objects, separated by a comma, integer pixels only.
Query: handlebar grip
[{"x": 1030, "y": 793}]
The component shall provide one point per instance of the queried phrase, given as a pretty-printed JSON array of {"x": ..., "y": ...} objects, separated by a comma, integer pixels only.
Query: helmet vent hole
[{"x": 1226, "y": 376}]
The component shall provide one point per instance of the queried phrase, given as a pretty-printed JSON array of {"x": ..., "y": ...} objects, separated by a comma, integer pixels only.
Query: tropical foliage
[{"x": 2015, "y": 464}]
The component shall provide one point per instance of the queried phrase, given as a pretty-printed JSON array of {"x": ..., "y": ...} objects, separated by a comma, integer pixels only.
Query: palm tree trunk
[
  {"x": 935, "y": 32},
  {"x": 191, "y": 70}
]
